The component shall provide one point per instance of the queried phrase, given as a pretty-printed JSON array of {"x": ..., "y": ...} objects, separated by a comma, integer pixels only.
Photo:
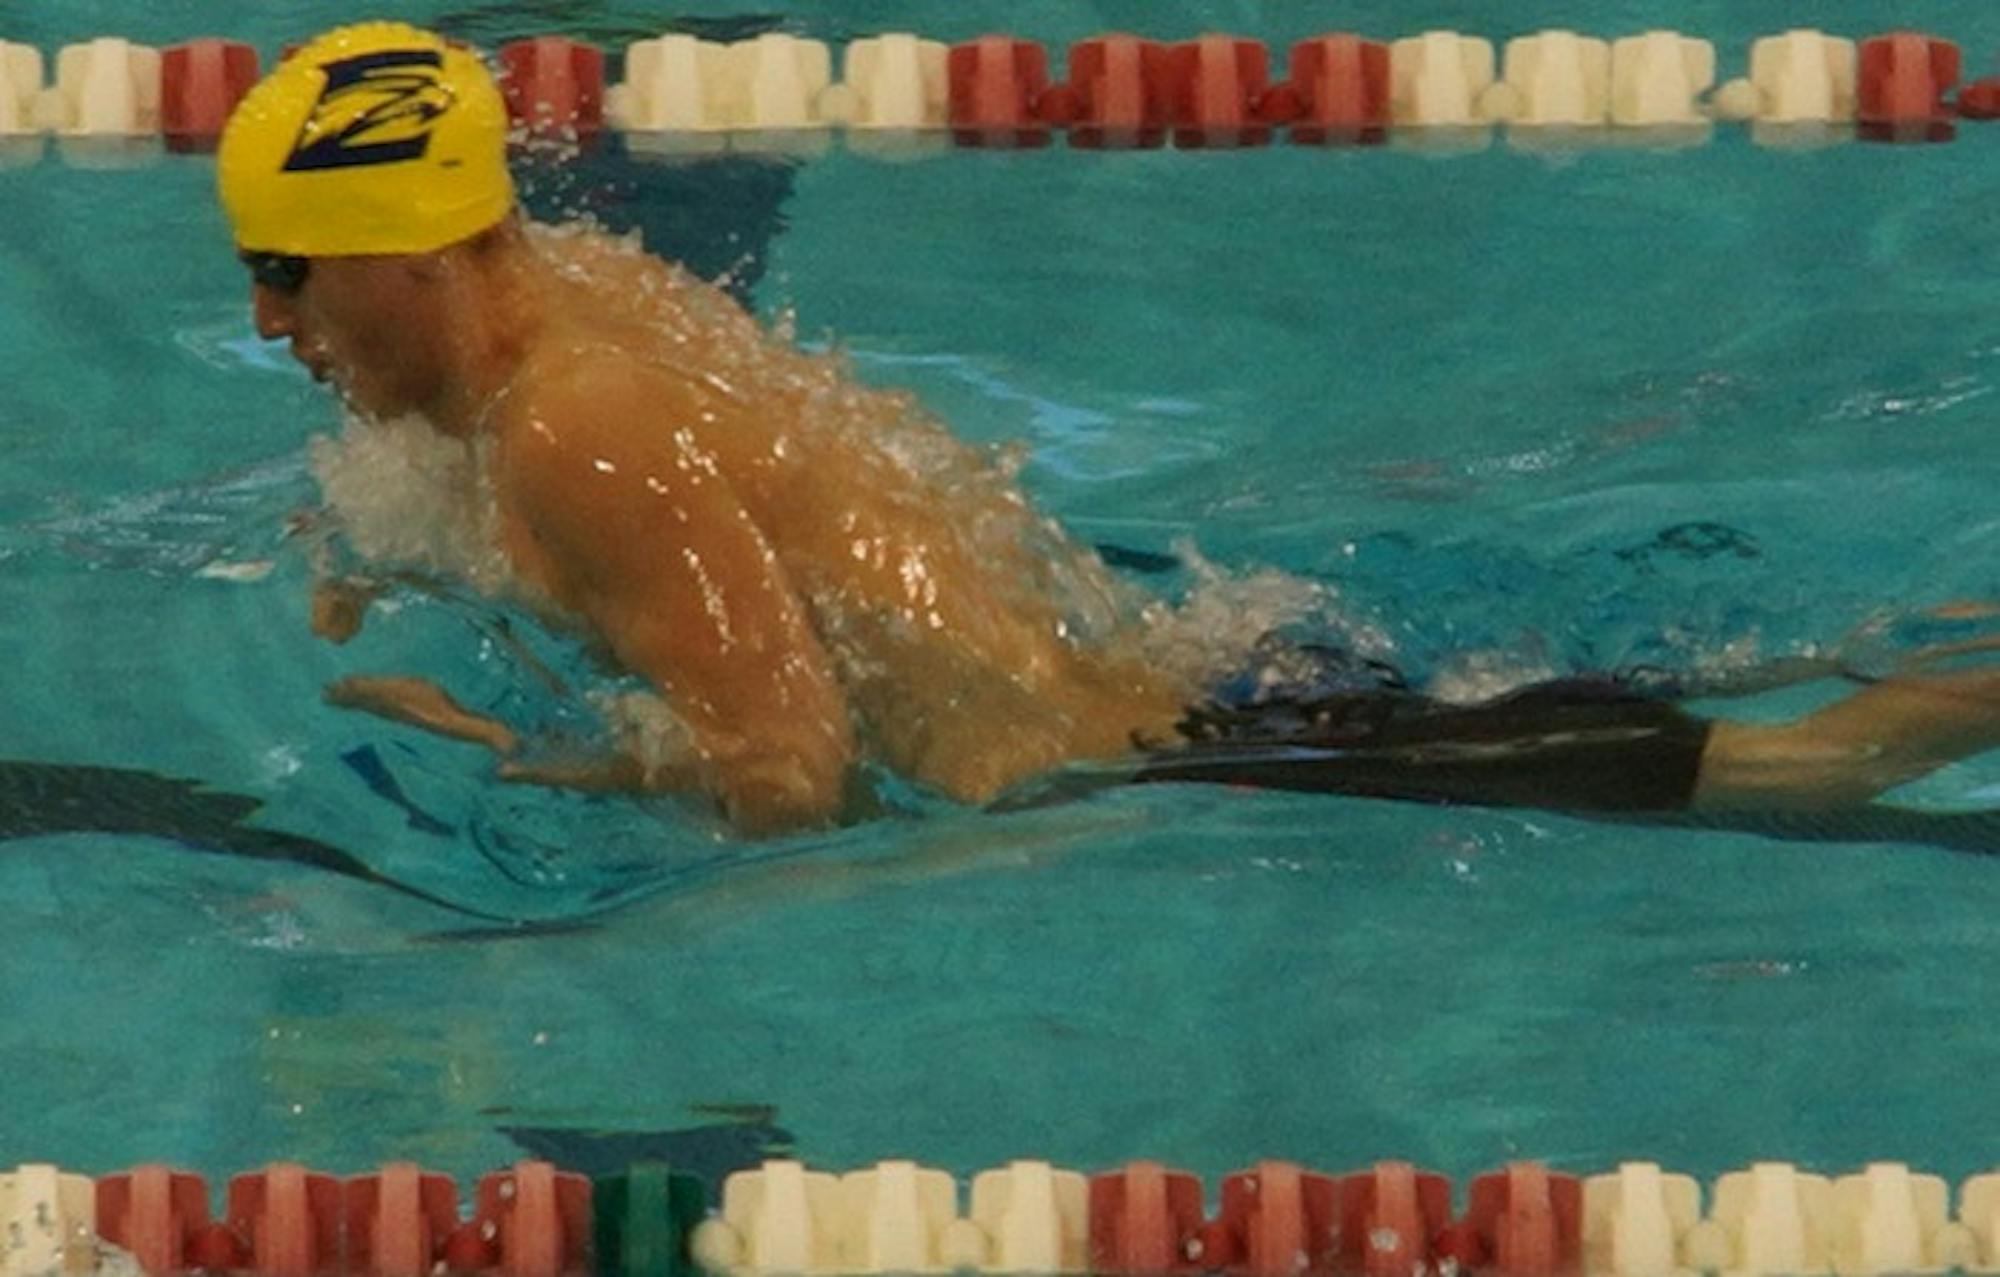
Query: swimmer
[{"x": 659, "y": 475}]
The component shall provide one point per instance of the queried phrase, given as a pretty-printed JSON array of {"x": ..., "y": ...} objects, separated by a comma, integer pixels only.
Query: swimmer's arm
[
  {"x": 417, "y": 702},
  {"x": 614, "y": 773},
  {"x": 420, "y": 703},
  {"x": 647, "y": 539}
]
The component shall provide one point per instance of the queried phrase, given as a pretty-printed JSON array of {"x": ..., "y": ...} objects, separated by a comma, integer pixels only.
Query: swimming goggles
[{"x": 277, "y": 271}]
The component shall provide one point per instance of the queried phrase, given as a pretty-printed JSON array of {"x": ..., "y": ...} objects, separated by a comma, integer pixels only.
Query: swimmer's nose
[{"x": 273, "y": 312}]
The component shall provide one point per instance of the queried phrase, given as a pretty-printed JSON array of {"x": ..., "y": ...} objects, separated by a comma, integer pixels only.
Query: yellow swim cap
[{"x": 376, "y": 138}]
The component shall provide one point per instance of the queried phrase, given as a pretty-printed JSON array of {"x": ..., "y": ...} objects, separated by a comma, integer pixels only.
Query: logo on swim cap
[
  {"x": 376, "y": 109},
  {"x": 376, "y": 138}
]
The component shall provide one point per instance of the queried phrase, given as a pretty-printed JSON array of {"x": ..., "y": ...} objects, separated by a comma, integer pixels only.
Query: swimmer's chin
[
  {"x": 358, "y": 409},
  {"x": 352, "y": 402}
]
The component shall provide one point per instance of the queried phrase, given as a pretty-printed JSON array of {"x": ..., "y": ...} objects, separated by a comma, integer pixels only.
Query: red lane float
[
  {"x": 995, "y": 86},
  {"x": 1145, "y": 1219},
  {"x": 1277, "y": 1220},
  {"x": 538, "y": 1217},
  {"x": 1902, "y": 81},
  {"x": 200, "y": 84},
  {"x": 158, "y": 1214},
  {"x": 1388, "y": 1218},
  {"x": 1214, "y": 87},
  {"x": 1980, "y": 100},
  {"x": 1521, "y": 1222},
  {"x": 469, "y": 1250},
  {"x": 1116, "y": 97},
  {"x": 398, "y": 1220},
  {"x": 287, "y": 1220},
  {"x": 553, "y": 85},
  {"x": 1337, "y": 91}
]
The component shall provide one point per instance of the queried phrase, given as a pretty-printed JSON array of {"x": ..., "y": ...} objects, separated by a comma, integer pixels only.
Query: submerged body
[
  {"x": 812, "y": 573},
  {"x": 807, "y": 572}
]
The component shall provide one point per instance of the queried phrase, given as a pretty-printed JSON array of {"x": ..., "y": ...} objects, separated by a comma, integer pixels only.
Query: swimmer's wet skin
[{"x": 808, "y": 572}]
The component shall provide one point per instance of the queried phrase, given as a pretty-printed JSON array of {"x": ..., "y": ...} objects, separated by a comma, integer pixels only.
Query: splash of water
[
  {"x": 1211, "y": 632},
  {"x": 409, "y": 497}
]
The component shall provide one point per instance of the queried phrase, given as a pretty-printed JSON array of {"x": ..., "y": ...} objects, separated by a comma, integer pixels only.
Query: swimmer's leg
[{"x": 1886, "y": 735}]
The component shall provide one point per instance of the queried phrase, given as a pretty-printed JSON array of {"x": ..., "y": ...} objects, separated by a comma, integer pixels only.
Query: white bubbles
[
  {"x": 1209, "y": 634},
  {"x": 646, "y": 729},
  {"x": 1469, "y": 678},
  {"x": 408, "y": 496}
]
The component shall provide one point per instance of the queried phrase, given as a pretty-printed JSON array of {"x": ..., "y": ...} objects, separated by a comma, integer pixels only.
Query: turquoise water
[{"x": 1475, "y": 393}]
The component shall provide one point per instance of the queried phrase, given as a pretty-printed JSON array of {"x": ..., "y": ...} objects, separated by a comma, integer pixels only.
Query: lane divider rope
[
  {"x": 1273, "y": 1219},
  {"x": 681, "y": 95}
]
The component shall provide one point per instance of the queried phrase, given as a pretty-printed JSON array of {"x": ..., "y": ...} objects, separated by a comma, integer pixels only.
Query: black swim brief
[{"x": 1585, "y": 745}]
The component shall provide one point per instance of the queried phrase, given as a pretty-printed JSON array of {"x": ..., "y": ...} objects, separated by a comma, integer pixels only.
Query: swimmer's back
[{"x": 896, "y": 560}]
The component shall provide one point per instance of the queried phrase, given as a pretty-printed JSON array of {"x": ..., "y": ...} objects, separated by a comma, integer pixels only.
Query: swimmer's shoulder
[
  {"x": 584, "y": 395},
  {"x": 577, "y": 465},
  {"x": 588, "y": 398}
]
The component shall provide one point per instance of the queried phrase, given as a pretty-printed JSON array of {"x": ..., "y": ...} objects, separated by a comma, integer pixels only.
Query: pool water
[{"x": 1521, "y": 412}]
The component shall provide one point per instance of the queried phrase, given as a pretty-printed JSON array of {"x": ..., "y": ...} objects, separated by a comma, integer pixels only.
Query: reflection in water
[{"x": 38, "y": 799}]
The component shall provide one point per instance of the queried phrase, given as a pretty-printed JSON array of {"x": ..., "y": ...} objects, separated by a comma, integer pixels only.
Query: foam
[
  {"x": 409, "y": 497},
  {"x": 646, "y": 728},
  {"x": 1470, "y": 678},
  {"x": 1210, "y": 633}
]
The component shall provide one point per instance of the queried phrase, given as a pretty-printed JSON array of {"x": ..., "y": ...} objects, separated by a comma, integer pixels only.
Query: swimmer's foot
[{"x": 421, "y": 703}]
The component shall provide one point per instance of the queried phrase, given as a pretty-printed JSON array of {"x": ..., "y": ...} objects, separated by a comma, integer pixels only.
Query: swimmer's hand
[
  {"x": 340, "y": 604},
  {"x": 421, "y": 703},
  {"x": 339, "y": 600}
]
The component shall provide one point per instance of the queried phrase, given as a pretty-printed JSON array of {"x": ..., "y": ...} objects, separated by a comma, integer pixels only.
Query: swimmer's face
[{"x": 373, "y": 326}]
